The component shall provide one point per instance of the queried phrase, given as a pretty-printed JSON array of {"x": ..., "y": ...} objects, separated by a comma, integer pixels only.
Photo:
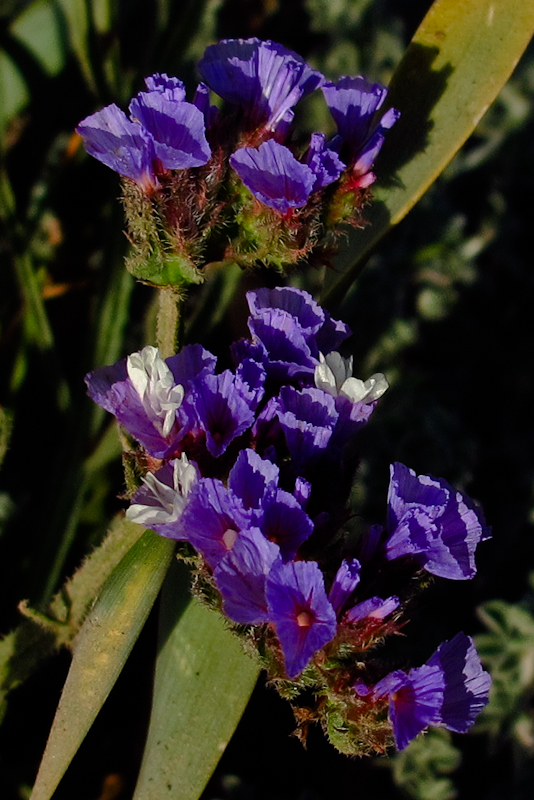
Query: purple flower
[
  {"x": 144, "y": 395},
  {"x": 215, "y": 407},
  {"x": 346, "y": 580},
  {"x": 287, "y": 325},
  {"x": 125, "y": 147},
  {"x": 202, "y": 101},
  {"x": 325, "y": 163},
  {"x": 373, "y": 608},
  {"x": 165, "y": 131},
  {"x": 212, "y": 519},
  {"x": 241, "y": 576},
  {"x": 448, "y": 691},
  {"x": 307, "y": 418},
  {"x": 415, "y": 699},
  {"x": 252, "y": 478},
  {"x": 301, "y": 612},
  {"x": 264, "y": 79},
  {"x": 177, "y": 129},
  {"x": 353, "y": 103},
  {"x": 308, "y": 315},
  {"x": 431, "y": 521},
  {"x": 284, "y": 521},
  {"x": 274, "y": 176},
  {"x": 467, "y": 685},
  {"x": 285, "y": 353},
  {"x": 274, "y": 511},
  {"x": 249, "y": 382},
  {"x": 160, "y": 502}
]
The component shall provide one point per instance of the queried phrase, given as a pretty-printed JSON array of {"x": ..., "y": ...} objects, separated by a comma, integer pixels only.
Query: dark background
[{"x": 444, "y": 308}]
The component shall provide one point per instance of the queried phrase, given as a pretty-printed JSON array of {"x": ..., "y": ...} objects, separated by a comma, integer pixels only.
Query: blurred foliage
[
  {"x": 421, "y": 768},
  {"x": 508, "y": 650},
  {"x": 444, "y": 309}
]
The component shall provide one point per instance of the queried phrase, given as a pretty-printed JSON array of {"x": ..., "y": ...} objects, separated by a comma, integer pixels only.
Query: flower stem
[{"x": 169, "y": 329}]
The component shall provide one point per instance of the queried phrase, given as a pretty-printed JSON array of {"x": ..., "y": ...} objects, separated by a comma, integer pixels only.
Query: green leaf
[
  {"x": 101, "y": 649},
  {"x": 38, "y": 28},
  {"x": 459, "y": 59},
  {"x": 202, "y": 685}
]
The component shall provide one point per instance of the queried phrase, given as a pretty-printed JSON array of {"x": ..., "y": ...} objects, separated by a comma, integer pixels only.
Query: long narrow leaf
[
  {"x": 203, "y": 683},
  {"x": 103, "y": 645},
  {"x": 459, "y": 59}
]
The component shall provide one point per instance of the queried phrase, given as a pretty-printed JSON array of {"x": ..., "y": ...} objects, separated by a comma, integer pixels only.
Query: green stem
[{"x": 170, "y": 322}]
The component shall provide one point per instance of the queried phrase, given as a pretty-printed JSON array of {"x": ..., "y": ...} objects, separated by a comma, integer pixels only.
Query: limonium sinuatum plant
[{"x": 250, "y": 470}]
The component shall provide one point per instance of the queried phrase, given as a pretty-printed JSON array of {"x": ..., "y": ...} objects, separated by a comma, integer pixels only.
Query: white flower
[
  {"x": 154, "y": 383},
  {"x": 166, "y": 501},
  {"x": 334, "y": 375}
]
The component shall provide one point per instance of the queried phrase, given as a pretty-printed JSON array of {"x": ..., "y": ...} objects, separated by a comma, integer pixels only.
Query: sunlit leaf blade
[
  {"x": 44, "y": 633},
  {"x": 103, "y": 645},
  {"x": 458, "y": 61},
  {"x": 202, "y": 686}
]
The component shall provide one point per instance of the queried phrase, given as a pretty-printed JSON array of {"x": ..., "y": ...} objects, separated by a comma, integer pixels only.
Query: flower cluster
[
  {"x": 233, "y": 185},
  {"x": 252, "y": 467}
]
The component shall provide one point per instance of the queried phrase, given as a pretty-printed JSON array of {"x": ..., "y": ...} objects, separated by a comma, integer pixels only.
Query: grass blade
[
  {"x": 100, "y": 652},
  {"x": 203, "y": 683}
]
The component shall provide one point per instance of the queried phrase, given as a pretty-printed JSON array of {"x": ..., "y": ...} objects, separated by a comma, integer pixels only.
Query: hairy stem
[{"x": 170, "y": 322}]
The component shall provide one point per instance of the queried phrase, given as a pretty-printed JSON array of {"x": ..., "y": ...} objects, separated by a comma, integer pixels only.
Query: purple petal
[
  {"x": 249, "y": 382},
  {"x": 219, "y": 410},
  {"x": 263, "y": 78},
  {"x": 241, "y": 575},
  {"x": 285, "y": 522},
  {"x": 287, "y": 354},
  {"x": 331, "y": 335},
  {"x": 192, "y": 362},
  {"x": 202, "y": 101},
  {"x": 173, "y": 88},
  {"x": 299, "y": 608},
  {"x": 178, "y": 129},
  {"x": 273, "y": 175},
  {"x": 431, "y": 521},
  {"x": 325, "y": 164},
  {"x": 307, "y": 418},
  {"x": 124, "y": 146},
  {"x": 302, "y": 491},
  {"x": 374, "y": 607},
  {"x": 212, "y": 519},
  {"x": 346, "y": 580},
  {"x": 308, "y": 315},
  {"x": 416, "y": 704},
  {"x": 252, "y": 478},
  {"x": 467, "y": 685}
]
